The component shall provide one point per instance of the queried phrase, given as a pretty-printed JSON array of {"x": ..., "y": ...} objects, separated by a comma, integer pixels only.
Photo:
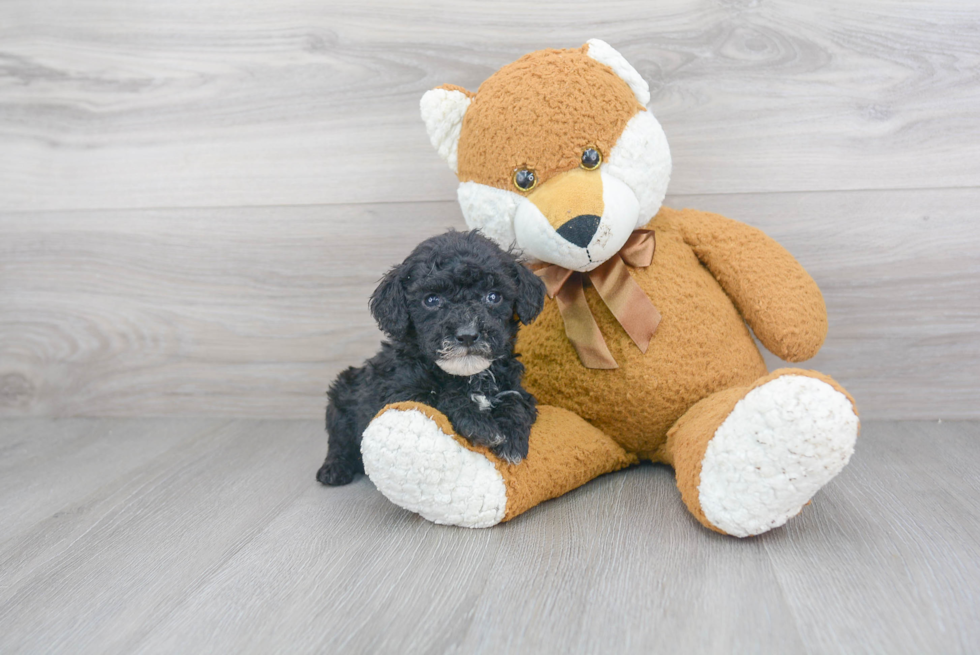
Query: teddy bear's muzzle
[{"x": 577, "y": 219}]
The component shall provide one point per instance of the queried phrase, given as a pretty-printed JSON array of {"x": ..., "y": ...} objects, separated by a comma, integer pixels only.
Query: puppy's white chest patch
[{"x": 482, "y": 402}]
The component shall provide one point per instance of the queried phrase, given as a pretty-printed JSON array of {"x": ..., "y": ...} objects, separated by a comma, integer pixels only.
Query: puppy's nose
[
  {"x": 580, "y": 229},
  {"x": 467, "y": 335}
]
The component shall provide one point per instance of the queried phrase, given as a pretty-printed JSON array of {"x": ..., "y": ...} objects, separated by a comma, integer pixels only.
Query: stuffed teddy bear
[{"x": 643, "y": 350}]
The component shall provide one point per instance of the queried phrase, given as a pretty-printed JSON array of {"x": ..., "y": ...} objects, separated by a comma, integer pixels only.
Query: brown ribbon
[{"x": 622, "y": 295}]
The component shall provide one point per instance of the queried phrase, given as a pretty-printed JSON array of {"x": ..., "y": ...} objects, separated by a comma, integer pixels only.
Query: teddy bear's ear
[
  {"x": 604, "y": 53},
  {"x": 442, "y": 110}
]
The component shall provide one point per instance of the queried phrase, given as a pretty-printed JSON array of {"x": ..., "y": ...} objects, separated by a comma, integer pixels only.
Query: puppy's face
[
  {"x": 463, "y": 312},
  {"x": 459, "y": 299}
]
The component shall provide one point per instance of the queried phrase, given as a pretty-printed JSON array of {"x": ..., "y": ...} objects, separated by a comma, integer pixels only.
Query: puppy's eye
[
  {"x": 525, "y": 180},
  {"x": 432, "y": 301},
  {"x": 493, "y": 298},
  {"x": 591, "y": 159}
]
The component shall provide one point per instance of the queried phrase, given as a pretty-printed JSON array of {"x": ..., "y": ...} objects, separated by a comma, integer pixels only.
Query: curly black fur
[{"x": 462, "y": 271}]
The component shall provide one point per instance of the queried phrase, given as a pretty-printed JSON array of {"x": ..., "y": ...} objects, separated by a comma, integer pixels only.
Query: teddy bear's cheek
[
  {"x": 536, "y": 237},
  {"x": 641, "y": 159},
  {"x": 620, "y": 218},
  {"x": 490, "y": 210}
]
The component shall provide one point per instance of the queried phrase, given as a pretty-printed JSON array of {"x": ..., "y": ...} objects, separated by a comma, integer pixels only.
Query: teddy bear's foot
[
  {"x": 416, "y": 460},
  {"x": 418, "y": 466},
  {"x": 774, "y": 447}
]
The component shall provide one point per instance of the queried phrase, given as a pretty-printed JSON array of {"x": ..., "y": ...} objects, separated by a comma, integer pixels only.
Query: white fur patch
[
  {"x": 641, "y": 159},
  {"x": 443, "y": 110},
  {"x": 465, "y": 366},
  {"x": 482, "y": 402},
  {"x": 490, "y": 210},
  {"x": 778, "y": 447},
  {"x": 422, "y": 469},
  {"x": 604, "y": 53}
]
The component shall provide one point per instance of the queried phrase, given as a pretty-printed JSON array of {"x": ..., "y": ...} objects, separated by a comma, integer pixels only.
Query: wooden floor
[{"x": 209, "y": 535}]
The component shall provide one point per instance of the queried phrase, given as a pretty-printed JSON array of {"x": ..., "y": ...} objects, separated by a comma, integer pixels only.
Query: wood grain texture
[
  {"x": 40, "y": 467},
  {"x": 215, "y": 312},
  {"x": 252, "y": 311},
  {"x": 189, "y": 103},
  {"x": 223, "y": 542}
]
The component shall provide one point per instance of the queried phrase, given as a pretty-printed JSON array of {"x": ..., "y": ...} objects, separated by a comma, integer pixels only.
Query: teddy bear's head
[{"x": 556, "y": 153}]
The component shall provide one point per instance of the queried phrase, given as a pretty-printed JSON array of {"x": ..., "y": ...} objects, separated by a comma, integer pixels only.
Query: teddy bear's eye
[
  {"x": 591, "y": 159},
  {"x": 525, "y": 179}
]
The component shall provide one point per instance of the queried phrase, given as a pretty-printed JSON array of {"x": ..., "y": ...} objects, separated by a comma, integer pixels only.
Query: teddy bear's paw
[
  {"x": 419, "y": 467},
  {"x": 781, "y": 443}
]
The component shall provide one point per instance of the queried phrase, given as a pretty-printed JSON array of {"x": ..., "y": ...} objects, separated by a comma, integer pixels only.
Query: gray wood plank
[
  {"x": 888, "y": 557},
  {"x": 226, "y": 544},
  {"x": 252, "y": 311},
  {"x": 629, "y": 572},
  {"x": 214, "y": 312},
  {"x": 45, "y": 465},
  {"x": 617, "y": 566},
  {"x": 117, "y": 560},
  {"x": 195, "y": 103}
]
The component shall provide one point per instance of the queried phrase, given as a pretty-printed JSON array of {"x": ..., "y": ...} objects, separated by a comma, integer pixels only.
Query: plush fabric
[
  {"x": 749, "y": 448},
  {"x": 702, "y": 344},
  {"x": 688, "y": 439},
  {"x": 513, "y": 121},
  {"x": 566, "y": 452}
]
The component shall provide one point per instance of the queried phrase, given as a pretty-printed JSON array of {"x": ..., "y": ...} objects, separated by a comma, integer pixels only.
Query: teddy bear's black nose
[{"x": 580, "y": 229}]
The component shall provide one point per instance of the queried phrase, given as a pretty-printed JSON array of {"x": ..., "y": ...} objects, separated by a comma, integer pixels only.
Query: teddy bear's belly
[{"x": 702, "y": 345}]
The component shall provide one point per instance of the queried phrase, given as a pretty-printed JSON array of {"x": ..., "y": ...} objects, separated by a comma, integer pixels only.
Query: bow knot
[{"x": 621, "y": 294}]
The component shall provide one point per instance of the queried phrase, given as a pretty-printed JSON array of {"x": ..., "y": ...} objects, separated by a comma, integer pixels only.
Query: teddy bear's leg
[
  {"x": 417, "y": 461},
  {"x": 748, "y": 459}
]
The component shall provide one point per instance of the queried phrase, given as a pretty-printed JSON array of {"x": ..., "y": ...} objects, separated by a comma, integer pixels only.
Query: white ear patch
[
  {"x": 604, "y": 53},
  {"x": 442, "y": 111}
]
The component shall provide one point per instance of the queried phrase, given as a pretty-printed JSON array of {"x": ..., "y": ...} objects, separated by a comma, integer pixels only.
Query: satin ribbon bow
[{"x": 622, "y": 295}]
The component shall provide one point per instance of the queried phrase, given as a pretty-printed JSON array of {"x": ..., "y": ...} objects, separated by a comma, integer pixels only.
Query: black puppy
[{"x": 451, "y": 311}]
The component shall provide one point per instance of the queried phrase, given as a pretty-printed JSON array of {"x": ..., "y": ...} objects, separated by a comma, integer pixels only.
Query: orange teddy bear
[{"x": 642, "y": 351}]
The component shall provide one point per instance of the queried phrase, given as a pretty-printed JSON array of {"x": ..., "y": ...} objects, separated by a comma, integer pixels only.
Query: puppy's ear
[
  {"x": 389, "y": 304},
  {"x": 530, "y": 294}
]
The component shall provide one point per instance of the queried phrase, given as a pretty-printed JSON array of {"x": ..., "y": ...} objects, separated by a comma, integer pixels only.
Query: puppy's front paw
[
  {"x": 511, "y": 451},
  {"x": 479, "y": 431},
  {"x": 514, "y": 448},
  {"x": 336, "y": 473}
]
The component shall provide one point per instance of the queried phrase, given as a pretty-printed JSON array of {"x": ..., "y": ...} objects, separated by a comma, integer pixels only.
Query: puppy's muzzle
[{"x": 465, "y": 354}]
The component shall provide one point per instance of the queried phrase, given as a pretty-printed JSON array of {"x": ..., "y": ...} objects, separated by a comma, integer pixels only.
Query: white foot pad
[
  {"x": 780, "y": 444},
  {"x": 419, "y": 467}
]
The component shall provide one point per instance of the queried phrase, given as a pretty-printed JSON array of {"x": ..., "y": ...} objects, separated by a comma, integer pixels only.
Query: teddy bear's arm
[{"x": 776, "y": 296}]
